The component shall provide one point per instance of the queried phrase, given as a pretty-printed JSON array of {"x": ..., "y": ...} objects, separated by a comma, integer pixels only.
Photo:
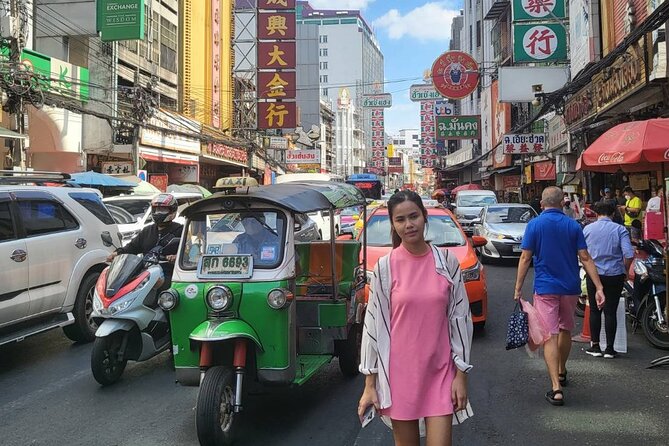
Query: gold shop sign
[{"x": 610, "y": 85}]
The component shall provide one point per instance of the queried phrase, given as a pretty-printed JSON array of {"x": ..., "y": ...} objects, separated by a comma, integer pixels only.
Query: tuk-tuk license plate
[{"x": 225, "y": 267}]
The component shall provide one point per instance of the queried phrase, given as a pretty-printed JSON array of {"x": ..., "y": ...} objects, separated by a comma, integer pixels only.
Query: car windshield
[
  {"x": 135, "y": 207},
  {"x": 256, "y": 233},
  {"x": 350, "y": 211},
  {"x": 441, "y": 231},
  {"x": 511, "y": 214},
  {"x": 476, "y": 200}
]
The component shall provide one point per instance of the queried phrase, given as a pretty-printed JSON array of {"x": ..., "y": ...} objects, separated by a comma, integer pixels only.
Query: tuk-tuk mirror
[{"x": 297, "y": 227}]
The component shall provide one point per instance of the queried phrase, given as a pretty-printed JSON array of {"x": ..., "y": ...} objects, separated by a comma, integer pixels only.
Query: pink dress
[{"x": 421, "y": 366}]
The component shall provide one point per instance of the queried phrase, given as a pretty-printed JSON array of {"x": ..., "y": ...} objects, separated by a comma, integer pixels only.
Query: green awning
[{"x": 6, "y": 133}]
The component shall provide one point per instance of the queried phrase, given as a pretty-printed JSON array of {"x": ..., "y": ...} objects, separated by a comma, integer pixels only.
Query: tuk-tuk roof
[{"x": 299, "y": 197}]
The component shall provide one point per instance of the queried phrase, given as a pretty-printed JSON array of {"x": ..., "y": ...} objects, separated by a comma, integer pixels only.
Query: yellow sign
[
  {"x": 391, "y": 150},
  {"x": 528, "y": 174}
]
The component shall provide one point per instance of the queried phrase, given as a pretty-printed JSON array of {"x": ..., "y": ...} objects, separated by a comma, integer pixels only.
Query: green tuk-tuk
[{"x": 249, "y": 303}]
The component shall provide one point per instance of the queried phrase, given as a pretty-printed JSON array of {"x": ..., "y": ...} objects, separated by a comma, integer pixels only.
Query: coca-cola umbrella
[
  {"x": 632, "y": 147},
  {"x": 469, "y": 186}
]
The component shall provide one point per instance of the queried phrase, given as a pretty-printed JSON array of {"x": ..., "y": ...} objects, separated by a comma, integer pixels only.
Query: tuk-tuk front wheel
[
  {"x": 349, "y": 351},
  {"x": 215, "y": 417}
]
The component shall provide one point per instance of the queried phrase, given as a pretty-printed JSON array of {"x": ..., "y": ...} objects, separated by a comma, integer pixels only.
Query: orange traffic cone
[{"x": 585, "y": 332}]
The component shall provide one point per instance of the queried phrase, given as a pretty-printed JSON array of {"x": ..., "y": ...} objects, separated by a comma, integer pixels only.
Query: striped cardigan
[{"x": 375, "y": 354}]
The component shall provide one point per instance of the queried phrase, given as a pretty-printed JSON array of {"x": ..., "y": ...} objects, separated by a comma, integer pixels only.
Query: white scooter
[{"x": 131, "y": 324}]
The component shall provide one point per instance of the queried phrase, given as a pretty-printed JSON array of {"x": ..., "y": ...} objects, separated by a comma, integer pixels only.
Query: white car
[
  {"x": 139, "y": 207},
  {"x": 51, "y": 254},
  {"x": 322, "y": 219}
]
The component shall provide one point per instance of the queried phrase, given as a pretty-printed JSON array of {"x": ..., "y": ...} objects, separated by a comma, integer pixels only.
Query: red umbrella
[
  {"x": 631, "y": 146},
  {"x": 467, "y": 187}
]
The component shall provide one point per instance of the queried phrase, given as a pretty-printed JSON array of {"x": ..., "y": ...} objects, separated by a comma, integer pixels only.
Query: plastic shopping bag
[
  {"x": 538, "y": 333},
  {"x": 620, "y": 342}
]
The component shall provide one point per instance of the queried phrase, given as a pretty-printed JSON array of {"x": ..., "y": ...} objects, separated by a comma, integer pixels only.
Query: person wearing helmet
[{"x": 163, "y": 211}]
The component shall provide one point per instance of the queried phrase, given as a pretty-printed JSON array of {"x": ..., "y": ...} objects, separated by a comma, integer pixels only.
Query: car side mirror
[
  {"x": 479, "y": 241},
  {"x": 297, "y": 227}
]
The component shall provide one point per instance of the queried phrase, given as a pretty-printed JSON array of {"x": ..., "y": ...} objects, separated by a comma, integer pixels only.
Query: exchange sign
[
  {"x": 538, "y": 9},
  {"x": 545, "y": 42},
  {"x": 120, "y": 19},
  {"x": 455, "y": 74}
]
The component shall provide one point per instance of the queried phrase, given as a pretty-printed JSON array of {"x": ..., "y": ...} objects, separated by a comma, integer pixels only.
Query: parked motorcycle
[
  {"x": 649, "y": 294},
  {"x": 131, "y": 324}
]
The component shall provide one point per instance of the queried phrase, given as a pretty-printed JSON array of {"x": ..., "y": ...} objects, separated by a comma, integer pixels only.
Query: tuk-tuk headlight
[
  {"x": 279, "y": 298},
  {"x": 219, "y": 298},
  {"x": 168, "y": 299}
]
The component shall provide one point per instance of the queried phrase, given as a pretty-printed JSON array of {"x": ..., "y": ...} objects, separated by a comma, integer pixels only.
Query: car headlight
[
  {"x": 496, "y": 235},
  {"x": 471, "y": 274},
  {"x": 279, "y": 298},
  {"x": 168, "y": 299},
  {"x": 219, "y": 298}
]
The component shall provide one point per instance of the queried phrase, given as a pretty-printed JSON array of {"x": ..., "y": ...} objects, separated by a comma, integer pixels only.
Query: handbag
[{"x": 518, "y": 330}]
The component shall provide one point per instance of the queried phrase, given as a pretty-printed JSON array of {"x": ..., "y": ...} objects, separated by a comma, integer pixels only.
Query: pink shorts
[{"x": 557, "y": 311}]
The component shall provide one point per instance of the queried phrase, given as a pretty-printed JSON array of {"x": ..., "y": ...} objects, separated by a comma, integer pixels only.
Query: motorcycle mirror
[{"x": 107, "y": 239}]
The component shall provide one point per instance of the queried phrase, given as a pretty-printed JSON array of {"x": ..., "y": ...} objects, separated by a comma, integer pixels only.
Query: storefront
[
  {"x": 220, "y": 160},
  {"x": 169, "y": 156}
]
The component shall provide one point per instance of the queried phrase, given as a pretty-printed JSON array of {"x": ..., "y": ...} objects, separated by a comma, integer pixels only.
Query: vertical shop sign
[
  {"x": 216, "y": 63},
  {"x": 276, "y": 56},
  {"x": 428, "y": 134}
]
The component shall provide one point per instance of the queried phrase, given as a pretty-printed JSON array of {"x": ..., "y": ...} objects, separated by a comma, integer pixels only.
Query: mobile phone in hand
[{"x": 368, "y": 416}]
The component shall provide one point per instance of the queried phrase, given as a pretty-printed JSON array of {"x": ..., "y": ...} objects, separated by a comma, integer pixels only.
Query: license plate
[
  {"x": 516, "y": 248},
  {"x": 225, "y": 267}
]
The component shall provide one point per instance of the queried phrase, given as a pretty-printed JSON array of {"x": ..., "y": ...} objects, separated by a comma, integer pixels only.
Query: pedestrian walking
[
  {"x": 416, "y": 346},
  {"x": 610, "y": 247},
  {"x": 555, "y": 242},
  {"x": 608, "y": 198}
]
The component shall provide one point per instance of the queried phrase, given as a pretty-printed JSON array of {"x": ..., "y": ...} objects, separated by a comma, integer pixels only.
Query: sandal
[
  {"x": 550, "y": 397},
  {"x": 562, "y": 377}
]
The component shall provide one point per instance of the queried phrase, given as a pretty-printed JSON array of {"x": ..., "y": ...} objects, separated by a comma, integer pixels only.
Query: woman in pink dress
[{"x": 417, "y": 335}]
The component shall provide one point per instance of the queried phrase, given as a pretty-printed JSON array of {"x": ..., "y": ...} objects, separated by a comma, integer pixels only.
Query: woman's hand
[
  {"x": 368, "y": 398},
  {"x": 459, "y": 391}
]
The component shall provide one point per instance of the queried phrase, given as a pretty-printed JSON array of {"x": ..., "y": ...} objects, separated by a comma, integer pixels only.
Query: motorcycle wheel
[
  {"x": 580, "y": 306},
  {"x": 349, "y": 355},
  {"x": 657, "y": 334},
  {"x": 215, "y": 418},
  {"x": 105, "y": 363}
]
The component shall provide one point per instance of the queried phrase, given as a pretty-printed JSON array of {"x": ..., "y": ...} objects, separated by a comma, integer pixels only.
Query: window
[
  {"x": 324, "y": 65},
  {"x": 324, "y": 52},
  {"x": 168, "y": 45},
  {"x": 414, "y": 137},
  {"x": 324, "y": 39},
  {"x": 325, "y": 92},
  {"x": 478, "y": 33},
  {"x": 6, "y": 225},
  {"x": 45, "y": 217},
  {"x": 94, "y": 205},
  {"x": 324, "y": 79}
]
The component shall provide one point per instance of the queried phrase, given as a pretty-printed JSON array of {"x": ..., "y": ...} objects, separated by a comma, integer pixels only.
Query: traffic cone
[{"x": 585, "y": 332}]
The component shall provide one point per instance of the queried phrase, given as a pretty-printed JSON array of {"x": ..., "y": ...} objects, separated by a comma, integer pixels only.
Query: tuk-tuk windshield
[{"x": 256, "y": 233}]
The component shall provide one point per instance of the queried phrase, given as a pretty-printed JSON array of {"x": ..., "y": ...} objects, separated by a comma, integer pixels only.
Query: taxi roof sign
[{"x": 235, "y": 182}]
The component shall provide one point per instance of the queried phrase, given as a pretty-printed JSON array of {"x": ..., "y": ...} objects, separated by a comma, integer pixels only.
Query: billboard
[
  {"x": 303, "y": 157},
  {"x": 523, "y": 144},
  {"x": 458, "y": 127},
  {"x": 515, "y": 83},
  {"x": 120, "y": 19},
  {"x": 381, "y": 100},
  {"x": 423, "y": 92}
]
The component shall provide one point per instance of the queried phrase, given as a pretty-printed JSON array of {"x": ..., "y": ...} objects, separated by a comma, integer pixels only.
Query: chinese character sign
[
  {"x": 534, "y": 43},
  {"x": 532, "y": 143},
  {"x": 277, "y": 60},
  {"x": 378, "y": 139},
  {"x": 538, "y": 9},
  {"x": 428, "y": 136},
  {"x": 216, "y": 65}
]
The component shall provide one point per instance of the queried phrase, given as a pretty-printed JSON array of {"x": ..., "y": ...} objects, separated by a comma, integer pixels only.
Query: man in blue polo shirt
[{"x": 555, "y": 242}]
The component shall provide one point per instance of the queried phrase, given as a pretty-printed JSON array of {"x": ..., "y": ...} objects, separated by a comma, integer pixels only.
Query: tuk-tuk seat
[{"x": 314, "y": 272}]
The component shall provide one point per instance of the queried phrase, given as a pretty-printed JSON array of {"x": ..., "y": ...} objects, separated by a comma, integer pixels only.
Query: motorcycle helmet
[{"x": 164, "y": 208}]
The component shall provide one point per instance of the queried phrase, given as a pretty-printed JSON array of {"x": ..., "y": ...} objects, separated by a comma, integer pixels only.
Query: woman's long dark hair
[{"x": 401, "y": 197}]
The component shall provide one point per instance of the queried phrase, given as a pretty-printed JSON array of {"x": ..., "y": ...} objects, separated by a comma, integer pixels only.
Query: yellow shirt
[{"x": 634, "y": 203}]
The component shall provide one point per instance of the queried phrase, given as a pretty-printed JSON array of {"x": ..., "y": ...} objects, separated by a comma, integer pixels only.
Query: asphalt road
[{"x": 48, "y": 397}]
